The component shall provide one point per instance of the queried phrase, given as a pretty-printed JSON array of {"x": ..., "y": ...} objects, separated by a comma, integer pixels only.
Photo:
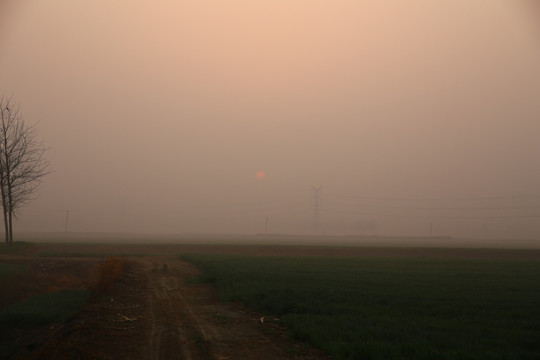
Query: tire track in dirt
[
  {"x": 153, "y": 312},
  {"x": 188, "y": 322},
  {"x": 169, "y": 323}
]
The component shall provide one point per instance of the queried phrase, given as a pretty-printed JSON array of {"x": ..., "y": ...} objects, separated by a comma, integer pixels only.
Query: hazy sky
[{"x": 159, "y": 114}]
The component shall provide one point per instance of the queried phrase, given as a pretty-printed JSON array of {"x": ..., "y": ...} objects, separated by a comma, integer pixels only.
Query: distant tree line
[{"x": 22, "y": 162}]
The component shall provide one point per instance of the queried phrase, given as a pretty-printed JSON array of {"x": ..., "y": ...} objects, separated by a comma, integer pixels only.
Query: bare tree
[{"x": 22, "y": 162}]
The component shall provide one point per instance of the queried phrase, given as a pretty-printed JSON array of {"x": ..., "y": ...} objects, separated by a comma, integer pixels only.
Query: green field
[
  {"x": 38, "y": 311},
  {"x": 44, "y": 309},
  {"x": 17, "y": 246},
  {"x": 9, "y": 269},
  {"x": 358, "y": 308}
]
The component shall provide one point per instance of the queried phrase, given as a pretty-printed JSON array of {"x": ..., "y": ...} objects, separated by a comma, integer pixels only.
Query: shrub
[{"x": 109, "y": 270}]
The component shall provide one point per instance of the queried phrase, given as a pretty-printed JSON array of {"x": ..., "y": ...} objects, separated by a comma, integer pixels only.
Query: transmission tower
[{"x": 315, "y": 203}]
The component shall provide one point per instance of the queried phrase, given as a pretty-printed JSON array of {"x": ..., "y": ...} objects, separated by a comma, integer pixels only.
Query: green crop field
[
  {"x": 9, "y": 269},
  {"x": 17, "y": 246},
  {"x": 401, "y": 308},
  {"x": 44, "y": 309},
  {"x": 38, "y": 311}
]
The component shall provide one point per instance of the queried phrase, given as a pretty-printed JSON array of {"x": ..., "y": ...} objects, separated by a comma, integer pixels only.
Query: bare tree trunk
[
  {"x": 22, "y": 164},
  {"x": 3, "y": 182},
  {"x": 10, "y": 204},
  {"x": 6, "y": 223},
  {"x": 10, "y": 215},
  {"x": 9, "y": 198}
]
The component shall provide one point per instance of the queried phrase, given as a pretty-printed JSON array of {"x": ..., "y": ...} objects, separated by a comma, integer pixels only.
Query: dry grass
[{"x": 108, "y": 271}]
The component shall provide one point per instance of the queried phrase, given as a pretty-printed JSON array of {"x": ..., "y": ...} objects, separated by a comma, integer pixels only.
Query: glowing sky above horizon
[{"x": 158, "y": 113}]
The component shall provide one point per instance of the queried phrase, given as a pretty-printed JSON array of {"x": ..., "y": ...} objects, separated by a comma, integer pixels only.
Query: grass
[
  {"x": 86, "y": 254},
  {"x": 16, "y": 247},
  {"x": 10, "y": 269},
  {"x": 391, "y": 308},
  {"x": 43, "y": 309},
  {"x": 35, "y": 312}
]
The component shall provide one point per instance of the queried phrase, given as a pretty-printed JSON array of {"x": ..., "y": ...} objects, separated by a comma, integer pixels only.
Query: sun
[{"x": 261, "y": 175}]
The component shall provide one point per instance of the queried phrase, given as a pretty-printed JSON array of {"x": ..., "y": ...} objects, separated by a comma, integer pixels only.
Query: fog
[{"x": 415, "y": 117}]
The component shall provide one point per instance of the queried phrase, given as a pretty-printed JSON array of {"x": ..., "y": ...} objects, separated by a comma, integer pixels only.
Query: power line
[
  {"x": 436, "y": 216},
  {"x": 370, "y": 202},
  {"x": 475, "y": 198},
  {"x": 438, "y": 208}
]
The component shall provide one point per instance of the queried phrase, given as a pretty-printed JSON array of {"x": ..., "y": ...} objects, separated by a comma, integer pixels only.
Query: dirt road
[
  {"x": 189, "y": 323},
  {"x": 155, "y": 312}
]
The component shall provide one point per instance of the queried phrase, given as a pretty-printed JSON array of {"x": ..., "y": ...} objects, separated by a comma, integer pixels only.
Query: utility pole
[
  {"x": 266, "y": 226},
  {"x": 67, "y": 218},
  {"x": 315, "y": 202}
]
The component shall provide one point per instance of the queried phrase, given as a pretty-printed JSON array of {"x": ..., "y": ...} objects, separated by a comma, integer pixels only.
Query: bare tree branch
[{"x": 22, "y": 162}]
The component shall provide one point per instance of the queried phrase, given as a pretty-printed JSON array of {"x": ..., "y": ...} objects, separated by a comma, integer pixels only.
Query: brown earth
[
  {"x": 44, "y": 275},
  {"x": 154, "y": 311},
  {"x": 103, "y": 250},
  {"x": 41, "y": 276}
]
